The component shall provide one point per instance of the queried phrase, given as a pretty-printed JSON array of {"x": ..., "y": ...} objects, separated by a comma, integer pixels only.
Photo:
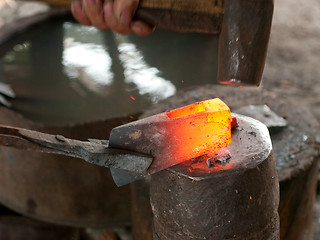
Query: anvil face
[{"x": 178, "y": 135}]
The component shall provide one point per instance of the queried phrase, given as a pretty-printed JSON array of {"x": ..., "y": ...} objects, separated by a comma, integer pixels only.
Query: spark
[{"x": 133, "y": 98}]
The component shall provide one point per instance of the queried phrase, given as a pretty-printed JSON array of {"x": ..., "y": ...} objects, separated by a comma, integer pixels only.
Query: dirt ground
[
  {"x": 294, "y": 52},
  {"x": 292, "y": 66},
  {"x": 293, "y": 58}
]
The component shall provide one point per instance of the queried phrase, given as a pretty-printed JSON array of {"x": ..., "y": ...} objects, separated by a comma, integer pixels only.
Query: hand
[{"x": 113, "y": 14}]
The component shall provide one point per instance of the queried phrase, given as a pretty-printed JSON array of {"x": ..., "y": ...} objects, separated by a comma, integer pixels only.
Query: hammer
[{"x": 243, "y": 27}]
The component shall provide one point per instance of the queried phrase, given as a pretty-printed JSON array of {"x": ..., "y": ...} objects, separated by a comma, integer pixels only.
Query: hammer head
[
  {"x": 243, "y": 41},
  {"x": 175, "y": 136},
  {"x": 243, "y": 27}
]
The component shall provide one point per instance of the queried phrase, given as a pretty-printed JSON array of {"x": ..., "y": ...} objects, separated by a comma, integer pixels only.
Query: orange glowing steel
[
  {"x": 188, "y": 110},
  {"x": 201, "y": 128}
]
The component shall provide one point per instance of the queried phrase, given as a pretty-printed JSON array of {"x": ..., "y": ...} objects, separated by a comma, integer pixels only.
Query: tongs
[{"x": 94, "y": 151}]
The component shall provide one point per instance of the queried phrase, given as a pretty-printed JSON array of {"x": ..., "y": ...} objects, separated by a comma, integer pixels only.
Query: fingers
[
  {"x": 94, "y": 11},
  {"x": 79, "y": 14},
  {"x": 121, "y": 21},
  {"x": 124, "y": 11},
  {"x": 89, "y": 12},
  {"x": 112, "y": 20},
  {"x": 141, "y": 29},
  {"x": 120, "y": 18},
  {"x": 113, "y": 14}
]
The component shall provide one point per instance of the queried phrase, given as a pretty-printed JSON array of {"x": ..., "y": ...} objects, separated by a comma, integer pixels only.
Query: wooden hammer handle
[{"x": 203, "y": 16}]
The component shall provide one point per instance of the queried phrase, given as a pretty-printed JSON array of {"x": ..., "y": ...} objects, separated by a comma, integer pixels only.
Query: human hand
[{"x": 115, "y": 15}]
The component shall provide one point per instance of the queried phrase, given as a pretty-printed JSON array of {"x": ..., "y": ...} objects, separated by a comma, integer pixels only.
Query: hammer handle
[
  {"x": 176, "y": 15},
  {"x": 183, "y": 15}
]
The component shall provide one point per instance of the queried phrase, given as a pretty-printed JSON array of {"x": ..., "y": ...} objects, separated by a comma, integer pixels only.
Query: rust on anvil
[{"x": 177, "y": 135}]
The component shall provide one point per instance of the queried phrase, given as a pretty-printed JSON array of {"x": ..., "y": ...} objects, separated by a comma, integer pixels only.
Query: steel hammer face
[{"x": 178, "y": 135}]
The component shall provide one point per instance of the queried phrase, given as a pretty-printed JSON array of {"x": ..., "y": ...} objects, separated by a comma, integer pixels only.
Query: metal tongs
[{"x": 93, "y": 151}]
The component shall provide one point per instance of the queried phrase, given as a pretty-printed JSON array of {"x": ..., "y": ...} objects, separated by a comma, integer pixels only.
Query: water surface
[{"x": 64, "y": 73}]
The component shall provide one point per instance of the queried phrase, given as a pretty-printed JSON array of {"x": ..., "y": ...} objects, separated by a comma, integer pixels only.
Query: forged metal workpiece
[
  {"x": 238, "y": 200},
  {"x": 184, "y": 133}
]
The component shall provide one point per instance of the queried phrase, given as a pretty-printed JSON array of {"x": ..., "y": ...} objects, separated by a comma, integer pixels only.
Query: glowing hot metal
[{"x": 178, "y": 135}]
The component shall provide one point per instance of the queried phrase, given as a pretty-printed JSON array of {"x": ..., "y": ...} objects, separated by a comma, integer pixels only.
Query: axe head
[{"x": 173, "y": 137}]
